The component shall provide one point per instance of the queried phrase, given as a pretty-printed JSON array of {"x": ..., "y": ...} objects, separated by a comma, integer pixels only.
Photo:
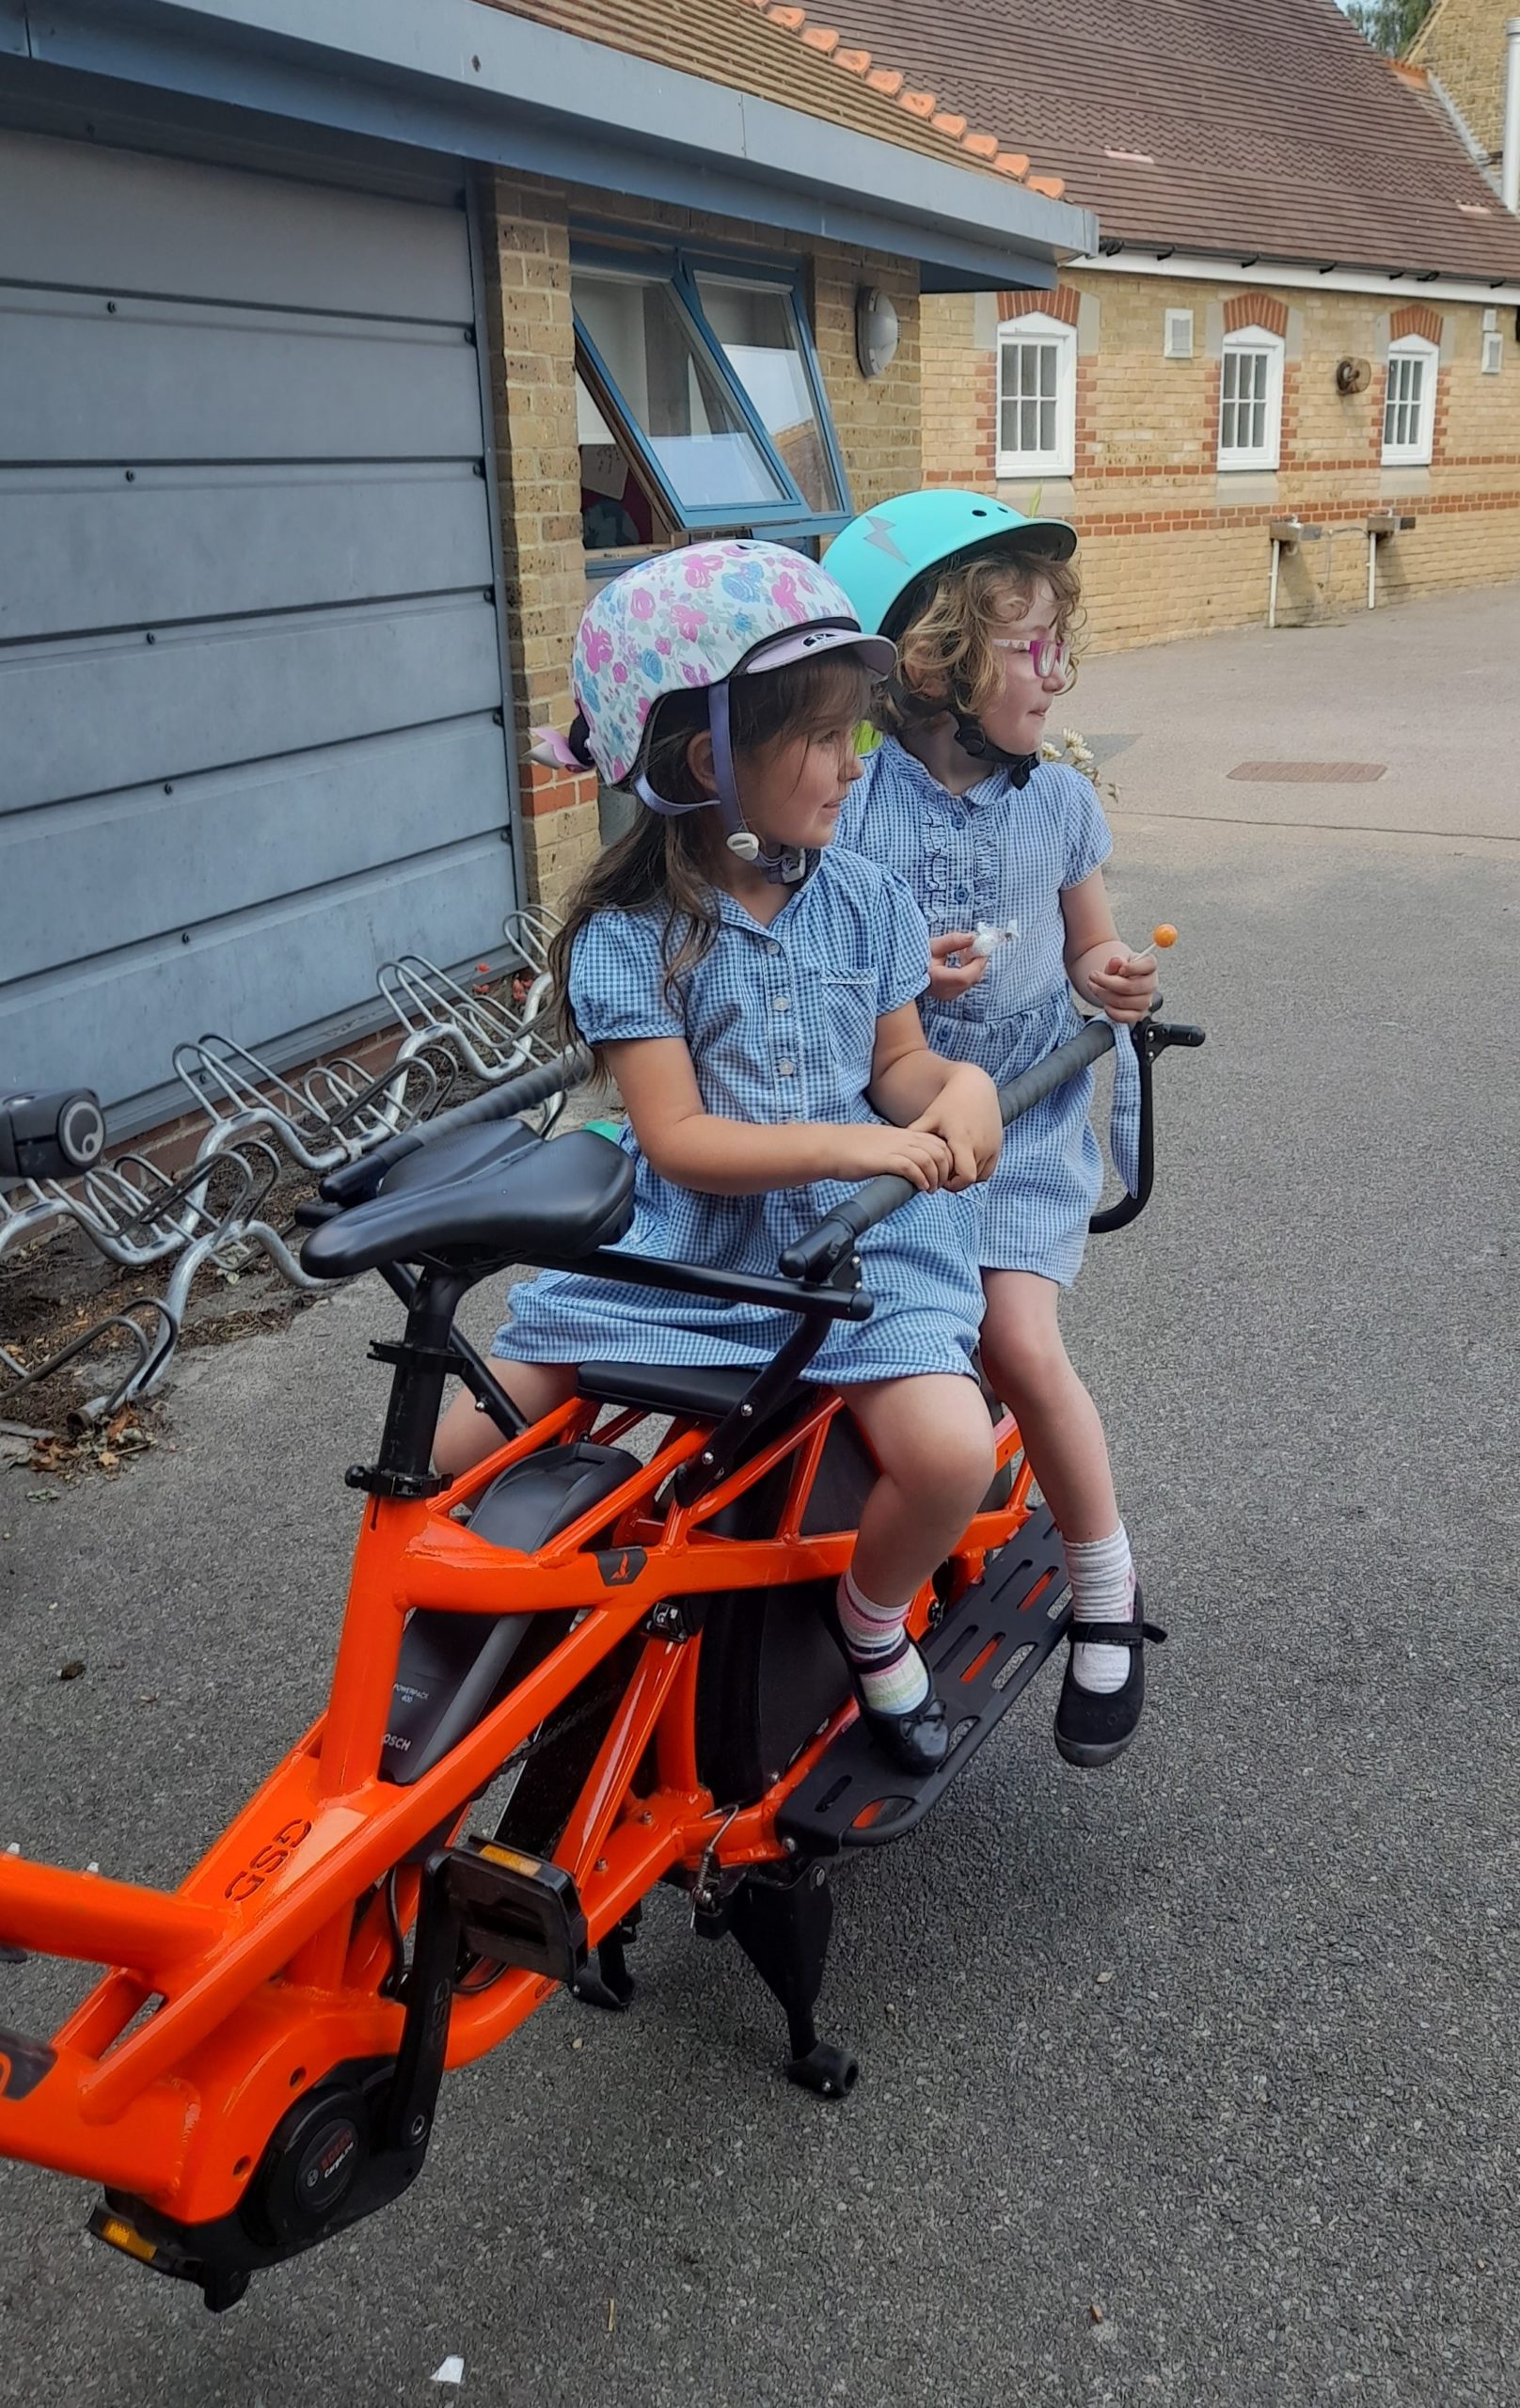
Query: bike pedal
[
  {"x": 516, "y": 1910},
  {"x": 983, "y": 1655}
]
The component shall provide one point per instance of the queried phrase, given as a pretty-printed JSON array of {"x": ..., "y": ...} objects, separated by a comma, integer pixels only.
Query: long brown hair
[{"x": 663, "y": 865}]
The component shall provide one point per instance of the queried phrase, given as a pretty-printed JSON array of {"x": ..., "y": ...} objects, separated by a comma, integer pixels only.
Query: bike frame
[{"x": 269, "y": 1961}]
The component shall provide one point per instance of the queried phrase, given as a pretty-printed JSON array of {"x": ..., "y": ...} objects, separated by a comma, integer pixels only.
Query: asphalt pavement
[{"x": 1193, "y": 2082}]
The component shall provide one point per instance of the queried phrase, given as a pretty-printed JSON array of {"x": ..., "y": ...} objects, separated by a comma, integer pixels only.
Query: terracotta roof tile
[
  {"x": 1267, "y": 127},
  {"x": 779, "y": 55}
]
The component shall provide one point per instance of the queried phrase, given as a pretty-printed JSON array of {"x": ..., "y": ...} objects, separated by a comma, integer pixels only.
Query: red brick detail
[
  {"x": 1163, "y": 522},
  {"x": 1438, "y": 425},
  {"x": 543, "y": 789},
  {"x": 1256, "y": 310},
  {"x": 1064, "y": 302},
  {"x": 1287, "y": 445},
  {"x": 1416, "y": 318}
]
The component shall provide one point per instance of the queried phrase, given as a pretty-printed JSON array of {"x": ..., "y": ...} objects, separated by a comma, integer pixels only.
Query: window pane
[
  {"x": 1047, "y": 426},
  {"x": 1047, "y": 368},
  {"x": 672, "y": 395},
  {"x": 1028, "y": 367},
  {"x": 1232, "y": 373},
  {"x": 614, "y": 508},
  {"x": 759, "y": 333},
  {"x": 1258, "y": 426},
  {"x": 1029, "y": 426}
]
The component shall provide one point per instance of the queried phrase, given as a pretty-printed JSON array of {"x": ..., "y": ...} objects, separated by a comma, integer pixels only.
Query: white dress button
[
  {"x": 782, "y": 1004},
  {"x": 784, "y": 1070}
]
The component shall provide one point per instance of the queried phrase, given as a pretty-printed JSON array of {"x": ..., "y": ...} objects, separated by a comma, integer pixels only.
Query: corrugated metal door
[{"x": 250, "y": 676}]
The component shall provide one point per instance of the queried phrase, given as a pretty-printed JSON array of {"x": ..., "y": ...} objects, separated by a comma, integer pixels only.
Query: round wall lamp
[
  {"x": 1354, "y": 375},
  {"x": 877, "y": 330}
]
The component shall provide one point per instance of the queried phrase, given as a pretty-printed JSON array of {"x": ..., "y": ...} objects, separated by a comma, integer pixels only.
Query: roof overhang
[
  {"x": 450, "y": 78},
  {"x": 1206, "y": 267}
]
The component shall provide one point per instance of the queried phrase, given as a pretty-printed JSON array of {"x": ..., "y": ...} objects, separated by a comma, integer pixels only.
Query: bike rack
[
  {"x": 489, "y": 1037},
  {"x": 135, "y": 1214}
]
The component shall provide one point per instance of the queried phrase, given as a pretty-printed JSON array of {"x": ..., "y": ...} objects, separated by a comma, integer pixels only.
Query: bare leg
[
  {"x": 466, "y": 1435},
  {"x": 1029, "y": 1369},
  {"x": 934, "y": 1443}
]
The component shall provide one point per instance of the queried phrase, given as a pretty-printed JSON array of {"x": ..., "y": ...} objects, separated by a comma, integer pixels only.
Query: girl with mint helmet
[
  {"x": 690, "y": 620},
  {"x": 886, "y": 557}
]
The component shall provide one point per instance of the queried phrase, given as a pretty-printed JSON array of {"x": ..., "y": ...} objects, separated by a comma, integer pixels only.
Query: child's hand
[
  {"x": 1121, "y": 983},
  {"x": 965, "y": 1114},
  {"x": 919, "y": 1155},
  {"x": 945, "y": 982}
]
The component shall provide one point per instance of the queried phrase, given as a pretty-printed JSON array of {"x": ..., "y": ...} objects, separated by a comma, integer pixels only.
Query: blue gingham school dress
[
  {"x": 1002, "y": 854},
  {"x": 780, "y": 1022}
]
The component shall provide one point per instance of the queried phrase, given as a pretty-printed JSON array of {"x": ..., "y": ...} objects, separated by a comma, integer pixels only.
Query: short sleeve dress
[
  {"x": 1003, "y": 854},
  {"x": 781, "y": 1023}
]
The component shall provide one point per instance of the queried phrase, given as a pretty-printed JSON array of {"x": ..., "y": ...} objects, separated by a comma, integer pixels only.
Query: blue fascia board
[{"x": 458, "y": 77}]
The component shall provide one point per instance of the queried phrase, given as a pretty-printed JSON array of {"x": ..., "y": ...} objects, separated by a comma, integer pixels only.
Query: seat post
[{"x": 422, "y": 1361}]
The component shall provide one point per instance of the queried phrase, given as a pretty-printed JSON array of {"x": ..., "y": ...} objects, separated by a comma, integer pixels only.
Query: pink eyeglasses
[{"x": 1046, "y": 658}]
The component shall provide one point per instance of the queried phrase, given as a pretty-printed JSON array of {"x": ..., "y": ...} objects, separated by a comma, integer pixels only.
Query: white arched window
[
  {"x": 1409, "y": 407},
  {"x": 1036, "y": 423},
  {"x": 1250, "y": 399}
]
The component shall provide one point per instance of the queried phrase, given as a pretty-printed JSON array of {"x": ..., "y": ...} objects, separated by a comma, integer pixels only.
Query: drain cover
[{"x": 1309, "y": 773}]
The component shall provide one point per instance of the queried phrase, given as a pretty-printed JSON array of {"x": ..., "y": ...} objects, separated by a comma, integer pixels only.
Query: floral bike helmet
[
  {"x": 690, "y": 620},
  {"x": 888, "y": 559}
]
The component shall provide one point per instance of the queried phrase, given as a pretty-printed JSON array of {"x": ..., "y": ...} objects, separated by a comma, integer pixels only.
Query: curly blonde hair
[{"x": 946, "y": 656}]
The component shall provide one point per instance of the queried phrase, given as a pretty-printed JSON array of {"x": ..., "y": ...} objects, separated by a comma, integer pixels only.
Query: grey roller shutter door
[{"x": 250, "y": 673}]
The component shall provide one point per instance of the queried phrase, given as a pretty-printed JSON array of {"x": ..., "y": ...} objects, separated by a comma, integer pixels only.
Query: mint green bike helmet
[{"x": 885, "y": 557}]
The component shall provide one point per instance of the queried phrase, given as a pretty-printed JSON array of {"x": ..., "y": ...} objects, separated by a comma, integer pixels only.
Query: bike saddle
[{"x": 561, "y": 1200}]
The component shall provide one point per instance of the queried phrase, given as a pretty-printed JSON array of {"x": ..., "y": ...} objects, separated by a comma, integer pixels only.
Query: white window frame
[
  {"x": 1060, "y": 459},
  {"x": 1414, "y": 452},
  {"x": 1251, "y": 341}
]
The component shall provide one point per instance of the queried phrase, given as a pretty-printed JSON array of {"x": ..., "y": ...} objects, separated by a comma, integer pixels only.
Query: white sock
[
  {"x": 870, "y": 1632},
  {"x": 1102, "y": 1589}
]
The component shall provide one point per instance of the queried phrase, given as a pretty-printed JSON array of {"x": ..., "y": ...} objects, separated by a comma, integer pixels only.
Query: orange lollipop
[{"x": 1163, "y": 939}]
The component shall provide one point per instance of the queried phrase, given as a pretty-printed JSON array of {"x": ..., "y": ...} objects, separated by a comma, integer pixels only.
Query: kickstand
[
  {"x": 607, "y": 1982},
  {"x": 782, "y": 1928}
]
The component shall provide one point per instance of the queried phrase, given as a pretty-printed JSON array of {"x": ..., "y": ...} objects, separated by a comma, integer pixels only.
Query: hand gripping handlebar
[{"x": 819, "y": 1254}]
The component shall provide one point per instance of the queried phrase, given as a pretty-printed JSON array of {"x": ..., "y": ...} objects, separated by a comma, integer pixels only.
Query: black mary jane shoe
[
  {"x": 919, "y": 1740},
  {"x": 1090, "y": 1729}
]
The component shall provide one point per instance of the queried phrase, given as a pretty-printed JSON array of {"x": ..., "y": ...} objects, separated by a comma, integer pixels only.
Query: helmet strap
[
  {"x": 974, "y": 739},
  {"x": 783, "y": 866}
]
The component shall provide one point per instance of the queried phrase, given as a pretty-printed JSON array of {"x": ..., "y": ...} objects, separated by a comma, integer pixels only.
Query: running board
[{"x": 984, "y": 1655}]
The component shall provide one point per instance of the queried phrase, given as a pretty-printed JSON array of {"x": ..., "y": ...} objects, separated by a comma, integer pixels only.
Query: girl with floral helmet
[
  {"x": 1003, "y": 850},
  {"x": 754, "y": 992}
]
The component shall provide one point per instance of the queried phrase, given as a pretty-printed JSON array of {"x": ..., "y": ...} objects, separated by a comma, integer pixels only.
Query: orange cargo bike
[{"x": 587, "y": 1666}]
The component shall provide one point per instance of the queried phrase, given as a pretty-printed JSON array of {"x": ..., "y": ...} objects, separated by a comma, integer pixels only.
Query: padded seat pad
[
  {"x": 559, "y": 1199},
  {"x": 707, "y": 1390}
]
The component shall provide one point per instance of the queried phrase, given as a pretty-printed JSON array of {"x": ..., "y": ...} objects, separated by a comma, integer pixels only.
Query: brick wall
[
  {"x": 1462, "y": 43},
  {"x": 1170, "y": 547},
  {"x": 532, "y": 382}
]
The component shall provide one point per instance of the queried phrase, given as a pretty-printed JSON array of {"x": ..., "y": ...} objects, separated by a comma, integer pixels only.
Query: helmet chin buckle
[{"x": 744, "y": 844}]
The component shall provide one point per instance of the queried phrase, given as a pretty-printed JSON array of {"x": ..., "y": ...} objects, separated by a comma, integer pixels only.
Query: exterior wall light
[{"x": 877, "y": 330}]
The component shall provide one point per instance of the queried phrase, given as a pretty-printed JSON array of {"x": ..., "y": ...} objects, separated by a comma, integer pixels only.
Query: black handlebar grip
[
  {"x": 824, "y": 1247},
  {"x": 48, "y": 1135},
  {"x": 355, "y": 1182}
]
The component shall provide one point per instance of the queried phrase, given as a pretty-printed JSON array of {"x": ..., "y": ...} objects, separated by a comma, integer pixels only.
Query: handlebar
[
  {"x": 819, "y": 1254},
  {"x": 356, "y": 1182},
  {"x": 51, "y": 1135}
]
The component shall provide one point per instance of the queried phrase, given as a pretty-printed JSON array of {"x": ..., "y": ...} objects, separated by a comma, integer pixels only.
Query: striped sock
[
  {"x": 873, "y": 1633},
  {"x": 1102, "y": 1589}
]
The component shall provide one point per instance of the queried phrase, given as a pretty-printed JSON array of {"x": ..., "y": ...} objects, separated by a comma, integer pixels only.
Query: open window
[
  {"x": 1409, "y": 404},
  {"x": 699, "y": 404},
  {"x": 1036, "y": 397},
  {"x": 1250, "y": 400}
]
